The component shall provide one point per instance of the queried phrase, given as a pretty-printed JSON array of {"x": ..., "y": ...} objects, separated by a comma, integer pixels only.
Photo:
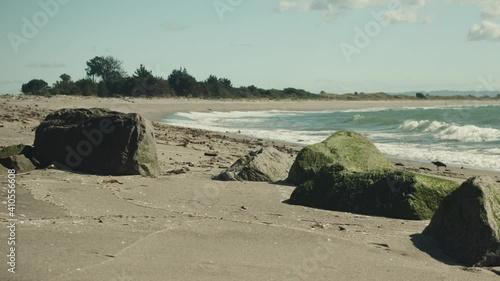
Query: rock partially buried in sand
[
  {"x": 19, "y": 163},
  {"x": 17, "y": 157},
  {"x": 394, "y": 194},
  {"x": 350, "y": 150},
  {"x": 468, "y": 223},
  {"x": 18, "y": 149},
  {"x": 3, "y": 170},
  {"x": 97, "y": 141},
  {"x": 266, "y": 165}
]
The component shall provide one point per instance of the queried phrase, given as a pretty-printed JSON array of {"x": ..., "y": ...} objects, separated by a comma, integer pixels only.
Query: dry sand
[{"x": 188, "y": 227}]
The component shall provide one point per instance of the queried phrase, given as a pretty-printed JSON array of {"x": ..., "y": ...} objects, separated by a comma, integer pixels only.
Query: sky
[{"x": 336, "y": 46}]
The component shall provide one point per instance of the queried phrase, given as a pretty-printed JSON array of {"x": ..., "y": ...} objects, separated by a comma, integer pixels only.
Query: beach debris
[
  {"x": 266, "y": 165},
  {"x": 243, "y": 208},
  {"x": 97, "y": 141},
  {"x": 425, "y": 169},
  {"x": 211, "y": 154},
  {"x": 381, "y": 245},
  {"x": 182, "y": 170},
  {"x": 467, "y": 223},
  {"x": 111, "y": 181},
  {"x": 439, "y": 164},
  {"x": 399, "y": 164}
]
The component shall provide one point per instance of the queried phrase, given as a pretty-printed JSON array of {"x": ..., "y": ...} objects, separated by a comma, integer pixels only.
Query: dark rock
[
  {"x": 97, "y": 141},
  {"x": 394, "y": 194},
  {"x": 467, "y": 223},
  {"x": 350, "y": 150},
  {"x": 267, "y": 165}
]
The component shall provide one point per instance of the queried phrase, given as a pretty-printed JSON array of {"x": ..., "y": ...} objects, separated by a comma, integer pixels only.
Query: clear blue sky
[{"x": 308, "y": 44}]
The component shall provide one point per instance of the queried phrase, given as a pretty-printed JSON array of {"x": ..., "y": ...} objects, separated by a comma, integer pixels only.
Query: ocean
[{"x": 461, "y": 136}]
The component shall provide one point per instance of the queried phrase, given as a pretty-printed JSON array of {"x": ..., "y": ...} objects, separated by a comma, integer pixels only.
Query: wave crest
[{"x": 451, "y": 131}]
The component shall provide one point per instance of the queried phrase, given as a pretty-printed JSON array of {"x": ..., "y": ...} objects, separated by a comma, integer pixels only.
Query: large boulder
[
  {"x": 350, "y": 150},
  {"x": 394, "y": 194},
  {"x": 468, "y": 223},
  {"x": 267, "y": 165},
  {"x": 97, "y": 141}
]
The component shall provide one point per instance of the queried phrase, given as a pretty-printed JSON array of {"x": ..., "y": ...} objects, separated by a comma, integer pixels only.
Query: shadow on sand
[{"x": 430, "y": 246}]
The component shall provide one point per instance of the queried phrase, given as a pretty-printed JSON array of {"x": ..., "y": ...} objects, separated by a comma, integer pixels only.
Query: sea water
[{"x": 462, "y": 136}]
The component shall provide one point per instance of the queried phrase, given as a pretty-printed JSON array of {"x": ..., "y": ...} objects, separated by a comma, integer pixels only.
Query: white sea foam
[
  {"x": 400, "y": 141},
  {"x": 471, "y": 158},
  {"x": 451, "y": 131}
]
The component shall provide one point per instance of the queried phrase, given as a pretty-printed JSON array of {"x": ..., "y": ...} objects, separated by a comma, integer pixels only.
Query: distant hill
[{"x": 447, "y": 93}]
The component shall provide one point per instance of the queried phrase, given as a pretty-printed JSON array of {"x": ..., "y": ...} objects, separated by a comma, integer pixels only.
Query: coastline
[
  {"x": 189, "y": 227},
  {"x": 156, "y": 109}
]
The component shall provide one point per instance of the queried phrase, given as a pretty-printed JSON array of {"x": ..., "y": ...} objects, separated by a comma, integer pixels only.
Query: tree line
[{"x": 107, "y": 78}]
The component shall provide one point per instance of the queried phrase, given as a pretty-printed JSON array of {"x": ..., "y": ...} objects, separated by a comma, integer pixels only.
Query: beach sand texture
[{"x": 188, "y": 227}]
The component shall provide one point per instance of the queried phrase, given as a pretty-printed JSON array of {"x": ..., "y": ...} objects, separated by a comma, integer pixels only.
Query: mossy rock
[
  {"x": 387, "y": 193},
  {"x": 349, "y": 150},
  {"x": 14, "y": 150},
  {"x": 467, "y": 223}
]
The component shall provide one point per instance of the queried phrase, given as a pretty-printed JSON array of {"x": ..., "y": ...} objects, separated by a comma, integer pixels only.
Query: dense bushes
[{"x": 106, "y": 77}]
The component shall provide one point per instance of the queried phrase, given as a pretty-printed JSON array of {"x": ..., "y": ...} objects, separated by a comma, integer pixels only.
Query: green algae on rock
[
  {"x": 12, "y": 150},
  {"x": 394, "y": 194},
  {"x": 352, "y": 151},
  {"x": 467, "y": 223}
]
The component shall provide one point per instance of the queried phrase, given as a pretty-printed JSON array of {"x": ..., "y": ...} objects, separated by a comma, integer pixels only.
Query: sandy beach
[{"x": 188, "y": 227}]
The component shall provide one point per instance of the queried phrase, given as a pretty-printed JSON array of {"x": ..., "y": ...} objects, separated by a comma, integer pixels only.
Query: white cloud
[
  {"x": 284, "y": 6},
  {"x": 486, "y": 31},
  {"x": 405, "y": 11},
  {"x": 490, "y": 9}
]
